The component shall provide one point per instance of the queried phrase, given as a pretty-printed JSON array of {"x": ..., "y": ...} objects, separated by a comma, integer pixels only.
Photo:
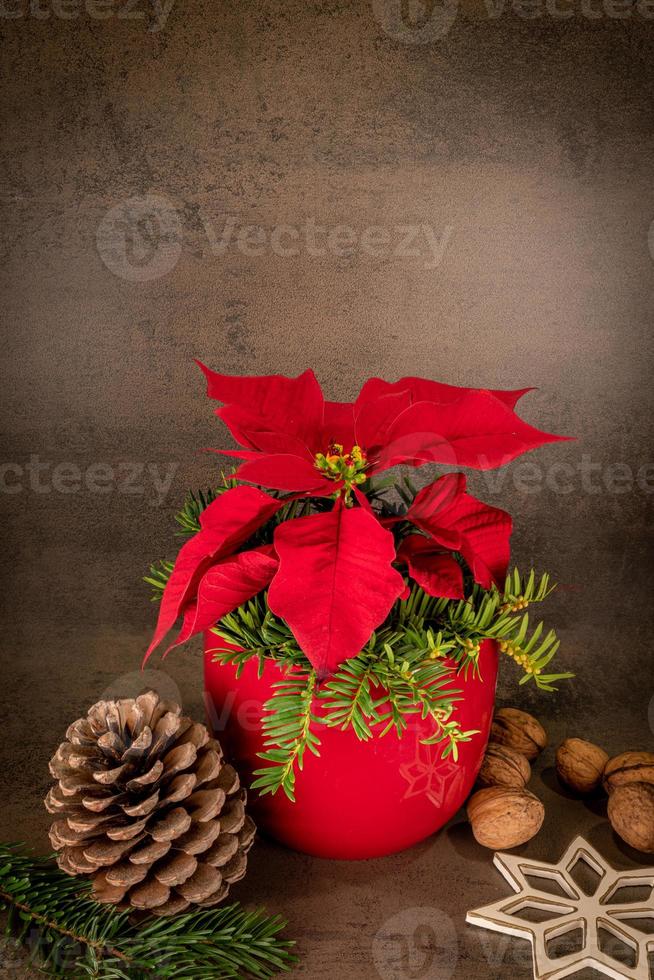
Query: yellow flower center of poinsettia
[{"x": 339, "y": 465}]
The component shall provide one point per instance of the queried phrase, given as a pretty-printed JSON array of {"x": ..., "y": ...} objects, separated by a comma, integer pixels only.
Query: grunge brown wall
[{"x": 458, "y": 191}]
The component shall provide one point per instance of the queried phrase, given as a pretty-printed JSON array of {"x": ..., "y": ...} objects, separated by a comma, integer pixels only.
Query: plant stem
[{"x": 100, "y": 948}]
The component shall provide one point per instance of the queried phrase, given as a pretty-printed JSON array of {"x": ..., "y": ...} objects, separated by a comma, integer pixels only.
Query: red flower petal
[
  {"x": 432, "y": 506},
  {"x": 437, "y": 573},
  {"x": 338, "y": 425},
  {"x": 285, "y": 472},
  {"x": 364, "y": 502},
  {"x": 478, "y": 430},
  {"x": 236, "y": 453},
  {"x": 421, "y": 389},
  {"x": 374, "y": 418},
  {"x": 458, "y": 521},
  {"x": 225, "y": 524},
  {"x": 224, "y": 587},
  {"x": 257, "y": 434},
  {"x": 335, "y": 582},
  {"x": 293, "y": 405},
  {"x": 240, "y": 423}
]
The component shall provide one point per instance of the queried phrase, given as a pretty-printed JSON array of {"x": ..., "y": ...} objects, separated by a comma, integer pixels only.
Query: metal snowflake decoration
[{"x": 573, "y": 910}]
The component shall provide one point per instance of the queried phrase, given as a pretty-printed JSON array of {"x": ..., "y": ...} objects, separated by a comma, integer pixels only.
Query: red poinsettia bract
[{"x": 333, "y": 576}]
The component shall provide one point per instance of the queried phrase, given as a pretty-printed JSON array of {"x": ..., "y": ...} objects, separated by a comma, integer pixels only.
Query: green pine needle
[
  {"x": 188, "y": 517},
  {"x": 160, "y": 572},
  {"x": 66, "y": 933},
  {"x": 288, "y": 726}
]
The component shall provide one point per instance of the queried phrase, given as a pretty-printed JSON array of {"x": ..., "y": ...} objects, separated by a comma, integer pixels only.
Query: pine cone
[{"x": 147, "y": 808}]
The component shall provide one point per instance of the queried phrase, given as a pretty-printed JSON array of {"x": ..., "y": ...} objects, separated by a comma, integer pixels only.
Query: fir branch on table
[{"x": 69, "y": 934}]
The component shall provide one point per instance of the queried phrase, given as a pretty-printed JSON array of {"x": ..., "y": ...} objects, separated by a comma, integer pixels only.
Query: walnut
[
  {"x": 503, "y": 817},
  {"x": 518, "y": 730},
  {"x": 631, "y": 812},
  {"x": 580, "y": 764},
  {"x": 629, "y": 767},
  {"x": 503, "y": 766}
]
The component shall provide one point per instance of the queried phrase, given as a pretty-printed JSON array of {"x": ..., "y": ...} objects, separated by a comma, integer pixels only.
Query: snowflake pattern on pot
[{"x": 430, "y": 775}]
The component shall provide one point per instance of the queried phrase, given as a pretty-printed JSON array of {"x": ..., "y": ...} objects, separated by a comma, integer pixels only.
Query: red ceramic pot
[{"x": 358, "y": 799}]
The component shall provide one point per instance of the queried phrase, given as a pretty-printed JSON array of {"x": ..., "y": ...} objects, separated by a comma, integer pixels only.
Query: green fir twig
[
  {"x": 67, "y": 933},
  {"x": 188, "y": 517},
  {"x": 408, "y": 668},
  {"x": 288, "y": 725}
]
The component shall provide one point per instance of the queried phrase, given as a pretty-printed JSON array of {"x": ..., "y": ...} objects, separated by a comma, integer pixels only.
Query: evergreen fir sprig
[
  {"x": 288, "y": 728},
  {"x": 188, "y": 517},
  {"x": 489, "y": 615},
  {"x": 349, "y": 698},
  {"x": 68, "y": 934},
  {"x": 260, "y": 634},
  {"x": 408, "y": 669},
  {"x": 441, "y": 627},
  {"x": 160, "y": 572},
  {"x": 401, "y": 673}
]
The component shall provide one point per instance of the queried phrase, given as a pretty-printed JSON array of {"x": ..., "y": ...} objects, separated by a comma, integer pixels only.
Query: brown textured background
[{"x": 530, "y": 139}]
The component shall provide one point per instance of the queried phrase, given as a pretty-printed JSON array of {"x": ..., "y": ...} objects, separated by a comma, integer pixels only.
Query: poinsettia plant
[{"x": 312, "y": 554}]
